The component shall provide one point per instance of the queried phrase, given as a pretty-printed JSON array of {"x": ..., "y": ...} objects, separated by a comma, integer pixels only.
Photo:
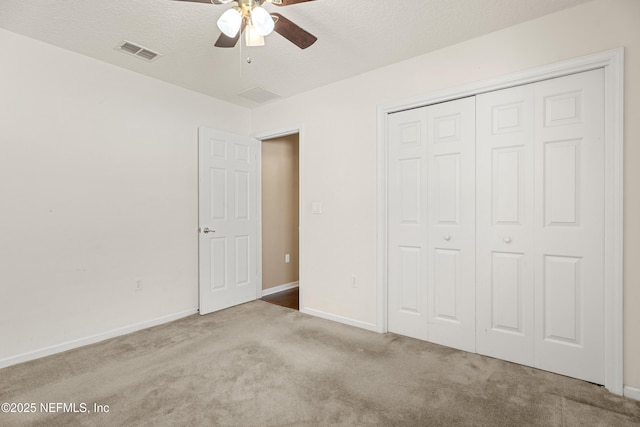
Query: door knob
[
  {"x": 507, "y": 239},
  {"x": 447, "y": 238},
  {"x": 207, "y": 230}
]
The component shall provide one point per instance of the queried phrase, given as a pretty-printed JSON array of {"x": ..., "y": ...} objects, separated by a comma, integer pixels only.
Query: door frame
[
  {"x": 612, "y": 61},
  {"x": 266, "y": 135}
]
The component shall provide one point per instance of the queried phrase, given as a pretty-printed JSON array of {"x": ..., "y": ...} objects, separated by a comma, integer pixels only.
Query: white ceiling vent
[
  {"x": 259, "y": 95},
  {"x": 139, "y": 51}
]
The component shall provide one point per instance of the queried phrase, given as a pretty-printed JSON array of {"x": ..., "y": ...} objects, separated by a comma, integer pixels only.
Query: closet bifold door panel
[
  {"x": 504, "y": 224},
  {"x": 540, "y": 225},
  {"x": 431, "y": 221},
  {"x": 451, "y": 223},
  {"x": 569, "y": 225},
  {"x": 496, "y": 229},
  {"x": 407, "y": 224}
]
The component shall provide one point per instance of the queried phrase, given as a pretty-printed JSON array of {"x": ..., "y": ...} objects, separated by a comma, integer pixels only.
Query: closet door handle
[
  {"x": 507, "y": 239},
  {"x": 447, "y": 238}
]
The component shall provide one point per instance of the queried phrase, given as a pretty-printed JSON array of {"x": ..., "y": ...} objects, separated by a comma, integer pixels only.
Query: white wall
[
  {"x": 98, "y": 189},
  {"x": 339, "y": 137}
]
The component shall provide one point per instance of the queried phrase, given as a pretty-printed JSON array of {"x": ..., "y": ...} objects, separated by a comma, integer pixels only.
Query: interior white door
[
  {"x": 569, "y": 225},
  {"x": 407, "y": 224},
  {"x": 228, "y": 219},
  {"x": 451, "y": 224},
  {"x": 504, "y": 224}
]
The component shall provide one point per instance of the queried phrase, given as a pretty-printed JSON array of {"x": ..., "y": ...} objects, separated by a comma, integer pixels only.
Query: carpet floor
[{"x": 262, "y": 365}]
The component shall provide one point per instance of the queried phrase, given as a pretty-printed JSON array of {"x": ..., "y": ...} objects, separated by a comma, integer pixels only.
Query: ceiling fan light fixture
[
  {"x": 252, "y": 38},
  {"x": 262, "y": 21},
  {"x": 230, "y": 22}
]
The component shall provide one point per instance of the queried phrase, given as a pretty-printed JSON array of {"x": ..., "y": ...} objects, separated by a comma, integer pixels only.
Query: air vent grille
[
  {"x": 139, "y": 51},
  {"x": 130, "y": 47},
  {"x": 259, "y": 95},
  {"x": 147, "y": 54}
]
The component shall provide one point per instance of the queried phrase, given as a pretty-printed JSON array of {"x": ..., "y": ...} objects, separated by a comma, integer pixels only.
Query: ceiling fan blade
[
  {"x": 292, "y": 32},
  {"x": 225, "y": 41},
  {"x": 288, "y": 2}
]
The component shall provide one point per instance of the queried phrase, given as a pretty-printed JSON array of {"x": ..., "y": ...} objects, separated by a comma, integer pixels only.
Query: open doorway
[{"x": 280, "y": 189}]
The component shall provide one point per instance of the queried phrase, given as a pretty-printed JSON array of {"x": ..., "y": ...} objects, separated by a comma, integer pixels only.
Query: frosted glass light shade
[
  {"x": 229, "y": 23},
  {"x": 252, "y": 38},
  {"x": 262, "y": 21}
]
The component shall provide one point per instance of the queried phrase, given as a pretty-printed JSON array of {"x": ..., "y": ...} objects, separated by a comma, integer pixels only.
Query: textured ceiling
[{"x": 354, "y": 36}]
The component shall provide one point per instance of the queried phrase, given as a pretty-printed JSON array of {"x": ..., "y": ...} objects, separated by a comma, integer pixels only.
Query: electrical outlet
[
  {"x": 354, "y": 282},
  {"x": 138, "y": 285},
  {"x": 287, "y": 258}
]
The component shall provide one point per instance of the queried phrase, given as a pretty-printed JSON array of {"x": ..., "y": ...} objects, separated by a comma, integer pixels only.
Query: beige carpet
[{"x": 264, "y": 365}]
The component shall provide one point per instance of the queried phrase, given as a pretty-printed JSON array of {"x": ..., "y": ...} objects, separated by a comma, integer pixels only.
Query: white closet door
[
  {"x": 511, "y": 265},
  {"x": 451, "y": 223},
  {"x": 569, "y": 225},
  {"x": 407, "y": 225},
  {"x": 504, "y": 221}
]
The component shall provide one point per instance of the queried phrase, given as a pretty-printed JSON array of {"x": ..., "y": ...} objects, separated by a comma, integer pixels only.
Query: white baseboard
[
  {"x": 69, "y": 345},
  {"x": 346, "y": 320},
  {"x": 632, "y": 392},
  {"x": 280, "y": 288}
]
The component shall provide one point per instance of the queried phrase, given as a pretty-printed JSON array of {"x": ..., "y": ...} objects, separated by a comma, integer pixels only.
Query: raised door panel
[
  {"x": 562, "y": 300},
  {"x": 507, "y": 195},
  {"x": 507, "y": 305},
  {"x": 242, "y": 196},
  {"x": 451, "y": 223},
  {"x": 446, "y": 271},
  {"x": 218, "y": 202},
  {"x": 409, "y": 279},
  {"x": 561, "y": 183},
  {"x": 406, "y": 274},
  {"x": 410, "y": 187},
  {"x": 446, "y": 188},
  {"x": 243, "y": 260},
  {"x": 569, "y": 226},
  {"x": 218, "y": 261},
  {"x": 504, "y": 221}
]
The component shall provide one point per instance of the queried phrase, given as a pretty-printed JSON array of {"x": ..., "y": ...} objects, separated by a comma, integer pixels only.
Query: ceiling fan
[{"x": 250, "y": 17}]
